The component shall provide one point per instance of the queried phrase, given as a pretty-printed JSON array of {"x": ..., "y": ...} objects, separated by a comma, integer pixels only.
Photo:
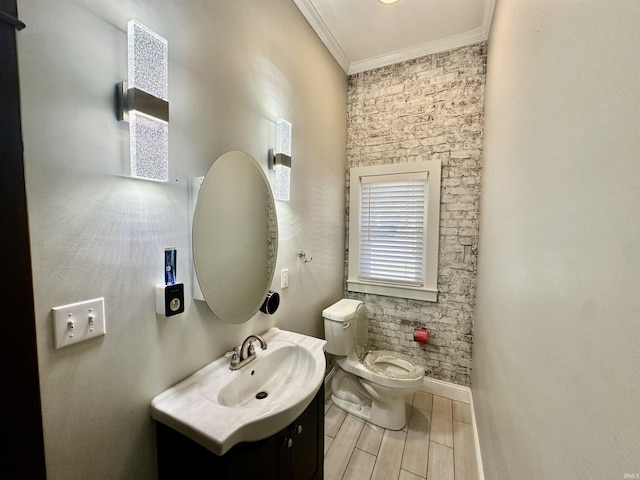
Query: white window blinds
[{"x": 393, "y": 228}]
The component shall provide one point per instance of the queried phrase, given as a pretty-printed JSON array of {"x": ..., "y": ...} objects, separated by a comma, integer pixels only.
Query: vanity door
[
  {"x": 294, "y": 453},
  {"x": 307, "y": 434}
]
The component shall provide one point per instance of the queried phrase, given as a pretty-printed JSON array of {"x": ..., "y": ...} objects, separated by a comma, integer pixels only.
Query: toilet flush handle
[{"x": 346, "y": 325}]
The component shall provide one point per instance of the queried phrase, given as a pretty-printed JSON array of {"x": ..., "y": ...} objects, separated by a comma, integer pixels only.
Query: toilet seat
[
  {"x": 386, "y": 368},
  {"x": 392, "y": 365}
]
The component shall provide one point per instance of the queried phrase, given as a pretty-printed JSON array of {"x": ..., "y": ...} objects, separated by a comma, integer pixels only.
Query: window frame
[{"x": 429, "y": 290}]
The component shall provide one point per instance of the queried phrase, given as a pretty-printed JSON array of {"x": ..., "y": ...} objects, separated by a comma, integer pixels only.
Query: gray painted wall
[
  {"x": 235, "y": 67},
  {"x": 556, "y": 381}
]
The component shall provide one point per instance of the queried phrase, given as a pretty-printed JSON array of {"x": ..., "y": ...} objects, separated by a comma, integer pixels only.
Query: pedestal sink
[{"x": 218, "y": 407}]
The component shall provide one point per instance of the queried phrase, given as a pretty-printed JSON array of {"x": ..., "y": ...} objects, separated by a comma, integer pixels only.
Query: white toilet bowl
[{"x": 375, "y": 387}]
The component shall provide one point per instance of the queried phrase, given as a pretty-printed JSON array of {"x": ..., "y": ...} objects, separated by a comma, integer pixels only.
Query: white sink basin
[
  {"x": 270, "y": 380},
  {"x": 218, "y": 407}
]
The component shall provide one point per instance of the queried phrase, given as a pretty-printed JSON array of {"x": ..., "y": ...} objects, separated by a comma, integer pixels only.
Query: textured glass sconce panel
[
  {"x": 283, "y": 137},
  {"x": 149, "y": 145},
  {"x": 283, "y": 171},
  {"x": 148, "y": 60},
  {"x": 283, "y": 183},
  {"x": 142, "y": 101}
]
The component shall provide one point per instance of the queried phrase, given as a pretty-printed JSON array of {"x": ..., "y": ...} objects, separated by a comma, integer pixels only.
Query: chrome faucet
[{"x": 246, "y": 353}]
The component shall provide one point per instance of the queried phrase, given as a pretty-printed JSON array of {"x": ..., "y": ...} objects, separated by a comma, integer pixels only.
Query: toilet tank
[{"x": 339, "y": 339}]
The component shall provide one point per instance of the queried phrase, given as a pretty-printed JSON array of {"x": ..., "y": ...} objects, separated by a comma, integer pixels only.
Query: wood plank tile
[
  {"x": 440, "y": 462},
  {"x": 337, "y": 458},
  {"x": 333, "y": 419},
  {"x": 442, "y": 421},
  {"x": 360, "y": 466},
  {"x": 408, "y": 402},
  {"x": 408, "y": 409},
  {"x": 464, "y": 454},
  {"x": 461, "y": 412},
  {"x": 327, "y": 444},
  {"x": 416, "y": 448},
  {"x": 370, "y": 438},
  {"x": 404, "y": 475},
  {"x": 423, "y": 400},
  {"x": 327, "y": 406},
  {"x": 409, "y": 398},
  {"x": 440, "y": 433},
  {"x": 389, "y": 459}
]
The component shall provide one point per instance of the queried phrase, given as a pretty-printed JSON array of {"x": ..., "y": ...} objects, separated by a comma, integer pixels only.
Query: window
[{"x": 394, "y": 213}]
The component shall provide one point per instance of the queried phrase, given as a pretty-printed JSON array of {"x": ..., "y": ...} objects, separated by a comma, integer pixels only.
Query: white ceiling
[{"x": 366, "y": 34}]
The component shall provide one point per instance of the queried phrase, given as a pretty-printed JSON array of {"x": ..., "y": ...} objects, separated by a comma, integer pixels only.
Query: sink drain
[{"x": 261, "y": 395}]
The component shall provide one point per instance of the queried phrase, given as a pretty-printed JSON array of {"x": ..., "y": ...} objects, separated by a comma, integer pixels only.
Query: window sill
[{"x": 428, "y": 295}]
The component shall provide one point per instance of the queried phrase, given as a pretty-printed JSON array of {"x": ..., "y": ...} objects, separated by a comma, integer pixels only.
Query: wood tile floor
[{"x": 436, "y": 444}]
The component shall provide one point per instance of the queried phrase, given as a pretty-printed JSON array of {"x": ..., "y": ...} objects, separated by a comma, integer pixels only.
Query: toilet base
[
  {"x": 362, "y": 411},
  {"x": 389, "y": 418},
  {"x": 355, "y": 396}
]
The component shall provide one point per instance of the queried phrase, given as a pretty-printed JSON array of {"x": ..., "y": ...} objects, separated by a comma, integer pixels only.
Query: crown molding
[
  {"x": 478, "y": 34},
  {"x": 441, "y": 45},
  {"x": 487, "y": 17},
  {"x": 311, "y": 14}
]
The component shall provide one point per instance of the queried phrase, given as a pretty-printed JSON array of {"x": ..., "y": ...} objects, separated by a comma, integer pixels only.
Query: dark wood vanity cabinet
[{"x": 294, "y": 453}]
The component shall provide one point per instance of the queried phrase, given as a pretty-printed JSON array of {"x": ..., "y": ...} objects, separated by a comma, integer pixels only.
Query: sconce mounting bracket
[
  {"x": 278, "y": 159},
  {"x": 128, "y": 99}
]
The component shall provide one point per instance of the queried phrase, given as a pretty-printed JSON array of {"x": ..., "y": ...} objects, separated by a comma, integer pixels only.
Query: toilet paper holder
[{"x": 421, "y": 334}]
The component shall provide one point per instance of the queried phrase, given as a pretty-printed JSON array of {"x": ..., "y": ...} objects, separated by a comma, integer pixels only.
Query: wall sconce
[
  {"x": 280, "y": 160},
  {"x": 143, "y": 103}
]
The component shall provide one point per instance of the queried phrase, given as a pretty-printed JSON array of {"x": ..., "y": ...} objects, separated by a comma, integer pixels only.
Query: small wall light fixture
[
  {"x": 280, "y": 160},
  {"x": 143, "y": 103}
]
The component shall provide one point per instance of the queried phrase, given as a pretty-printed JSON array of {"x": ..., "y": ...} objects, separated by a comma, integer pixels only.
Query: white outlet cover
[
  {"x": 284, "y": 278},
  {"x": 73, "y": 323}
]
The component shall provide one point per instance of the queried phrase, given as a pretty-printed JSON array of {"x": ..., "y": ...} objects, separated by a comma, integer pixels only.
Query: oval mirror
[{"x": 235, "y": 237}]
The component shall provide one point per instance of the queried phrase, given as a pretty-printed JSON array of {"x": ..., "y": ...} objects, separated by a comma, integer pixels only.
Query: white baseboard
[
  {"x": 476, "y": 439},
  {"x": 459, "y": 394},
  {"x": 446, "y": 389}
]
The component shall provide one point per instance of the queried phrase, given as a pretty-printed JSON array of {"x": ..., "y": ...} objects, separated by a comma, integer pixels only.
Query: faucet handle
[
  {"x": 232, "y": 352},
  {"x": 251, "y": 350},
  {"x": 235, "y": 357}
]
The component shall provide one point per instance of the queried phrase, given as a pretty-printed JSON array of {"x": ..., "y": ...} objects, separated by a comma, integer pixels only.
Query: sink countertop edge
[{"x": 183, "y": 408}]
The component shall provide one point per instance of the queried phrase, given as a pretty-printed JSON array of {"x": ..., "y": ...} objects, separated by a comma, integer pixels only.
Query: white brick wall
[{"x": 423, "y": 109}]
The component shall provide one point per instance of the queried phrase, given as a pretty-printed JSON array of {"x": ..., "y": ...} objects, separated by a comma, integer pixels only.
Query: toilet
[{"x": 369, "y": 384}]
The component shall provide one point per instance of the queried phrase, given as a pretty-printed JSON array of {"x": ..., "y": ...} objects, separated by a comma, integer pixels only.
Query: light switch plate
[
  {"x": 77, "y": 322},
  {"x": 284, "y": 278}
]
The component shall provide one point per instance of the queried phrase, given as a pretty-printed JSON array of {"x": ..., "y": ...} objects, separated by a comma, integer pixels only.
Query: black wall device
[
  {"x": 271, "y": 303},
  {"x": 170, "y": 299}
]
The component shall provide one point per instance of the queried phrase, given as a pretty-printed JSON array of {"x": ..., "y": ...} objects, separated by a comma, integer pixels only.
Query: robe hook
[{"x": 303, "y": 256}]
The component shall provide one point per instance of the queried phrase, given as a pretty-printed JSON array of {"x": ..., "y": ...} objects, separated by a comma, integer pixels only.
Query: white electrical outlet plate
[
  {"x": 284, "y": 278},
  {"x": 77, "y": 322}
]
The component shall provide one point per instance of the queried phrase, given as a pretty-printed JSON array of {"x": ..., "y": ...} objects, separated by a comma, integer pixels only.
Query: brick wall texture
[{"x": 418, "y": 110}]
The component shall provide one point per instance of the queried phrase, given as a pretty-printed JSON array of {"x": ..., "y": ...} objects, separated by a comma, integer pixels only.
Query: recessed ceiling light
[{"x": 388, "y": 1}]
